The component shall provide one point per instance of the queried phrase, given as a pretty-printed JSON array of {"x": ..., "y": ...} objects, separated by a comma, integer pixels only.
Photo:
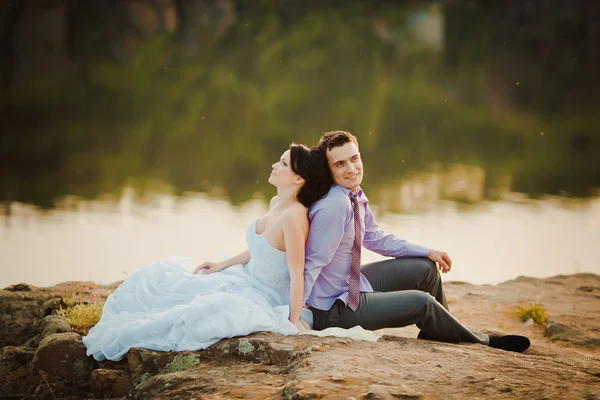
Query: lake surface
[
  {"x": 105, "y": 241},
  {"x": 145, "y": 130}
]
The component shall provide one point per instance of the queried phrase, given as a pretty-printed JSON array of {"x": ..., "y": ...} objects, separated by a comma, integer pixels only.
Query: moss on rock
[
  {"x": 182, "y": 362},
  {"x": 245, "y": 347}
]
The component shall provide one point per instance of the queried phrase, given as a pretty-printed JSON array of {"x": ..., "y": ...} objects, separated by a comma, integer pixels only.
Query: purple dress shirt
[{"x": 329, "y": 246}]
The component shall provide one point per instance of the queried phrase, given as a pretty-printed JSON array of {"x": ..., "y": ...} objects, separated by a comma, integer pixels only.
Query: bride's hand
[
  {"x": 303, "y": 326},
  {"x": 210, "y": 267}
]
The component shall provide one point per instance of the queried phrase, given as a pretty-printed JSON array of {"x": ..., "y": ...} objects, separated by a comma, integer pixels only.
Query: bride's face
[{"x": 282, "y": 174}]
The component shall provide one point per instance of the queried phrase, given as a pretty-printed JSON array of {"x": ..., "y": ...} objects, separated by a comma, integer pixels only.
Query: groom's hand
[{"x": 442, "y": 259}]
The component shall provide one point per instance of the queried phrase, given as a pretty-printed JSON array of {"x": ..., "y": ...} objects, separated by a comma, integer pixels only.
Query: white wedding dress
[{"x": 165, "y": 306}]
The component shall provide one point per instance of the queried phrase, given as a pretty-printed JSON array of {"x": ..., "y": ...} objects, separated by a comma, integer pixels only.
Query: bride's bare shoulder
[
  {"x": 273, "y": 202},
  {"x": 294, "y": 221},
  {"x": 296, "y": 212}
]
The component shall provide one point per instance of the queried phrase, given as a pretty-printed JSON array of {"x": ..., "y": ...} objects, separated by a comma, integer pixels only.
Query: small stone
[
  {"x": 391, "y": 392},
  {"x": 336, "y": 377},
  {"x": 51, "y": 305},
  {"x": 405, "y": 393},
  {"x": 53, "y": 324}
]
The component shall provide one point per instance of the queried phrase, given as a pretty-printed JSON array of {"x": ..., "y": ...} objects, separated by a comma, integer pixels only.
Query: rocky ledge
[{"x": 41, "y": 358}]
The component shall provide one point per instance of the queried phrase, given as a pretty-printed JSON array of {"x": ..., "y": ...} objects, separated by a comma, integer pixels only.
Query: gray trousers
[{"x": 406, "y": 291}]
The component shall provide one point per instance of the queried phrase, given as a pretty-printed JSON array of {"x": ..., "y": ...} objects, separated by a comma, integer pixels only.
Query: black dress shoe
[{"x": 514, "y": 343}]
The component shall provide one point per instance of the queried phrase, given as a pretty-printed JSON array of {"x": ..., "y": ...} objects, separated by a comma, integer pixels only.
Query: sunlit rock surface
[{"x": 563, "y": 361}]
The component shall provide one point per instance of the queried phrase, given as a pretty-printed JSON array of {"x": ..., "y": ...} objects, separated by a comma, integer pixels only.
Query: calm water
[
  {"x": 106, "y": 241},
  {"x": 138, "y": 131}
]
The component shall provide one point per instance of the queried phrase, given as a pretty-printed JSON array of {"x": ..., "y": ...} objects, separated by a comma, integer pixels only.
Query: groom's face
[{"x": 346, "y": 166}]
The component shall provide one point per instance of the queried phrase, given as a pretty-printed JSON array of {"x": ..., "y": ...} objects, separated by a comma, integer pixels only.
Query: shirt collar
[{"x": 359, "y": 192}]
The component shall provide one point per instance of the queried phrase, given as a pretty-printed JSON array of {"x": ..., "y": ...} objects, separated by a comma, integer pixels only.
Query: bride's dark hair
[{"x": 310, "y": 164}]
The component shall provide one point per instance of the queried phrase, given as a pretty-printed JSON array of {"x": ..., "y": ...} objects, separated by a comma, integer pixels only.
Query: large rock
[
  {"x": 48, "y": 326},
  {"x": 16, "y": 379},
  {"x": 254, "y": 366},
  {"x": 260, "y": 348},
  {"x": 281, "y": 350},
  {"x": 144, "y": 363},
  {"x": 265, "y": 365},
  {"x": 62, "y": 357},
  {"x": 53, "y": 324}
]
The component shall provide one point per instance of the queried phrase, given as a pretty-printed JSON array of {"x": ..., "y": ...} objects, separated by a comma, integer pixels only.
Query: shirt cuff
[{"x": 414, "y": 250}]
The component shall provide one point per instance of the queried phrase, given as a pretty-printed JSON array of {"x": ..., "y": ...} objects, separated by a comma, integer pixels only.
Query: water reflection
[
  {"x": 422, "y": 191},
  {"x": 142, "y": 103},
  {"x": 104, "y": 241}
]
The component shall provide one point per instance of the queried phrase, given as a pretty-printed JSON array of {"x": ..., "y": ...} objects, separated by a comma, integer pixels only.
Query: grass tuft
[
  {"x": 82, "y": 317},
  {"x": 535, "y": 311}
]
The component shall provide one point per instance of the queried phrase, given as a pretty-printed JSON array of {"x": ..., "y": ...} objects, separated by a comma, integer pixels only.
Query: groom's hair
[{"x": 332, "y": 139}]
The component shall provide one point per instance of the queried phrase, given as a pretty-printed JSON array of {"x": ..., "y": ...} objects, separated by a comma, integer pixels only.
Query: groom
[{"x": 401, "y": 291}]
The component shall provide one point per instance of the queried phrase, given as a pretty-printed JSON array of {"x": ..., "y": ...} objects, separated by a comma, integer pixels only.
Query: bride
[{"x": 171, "y": 305}]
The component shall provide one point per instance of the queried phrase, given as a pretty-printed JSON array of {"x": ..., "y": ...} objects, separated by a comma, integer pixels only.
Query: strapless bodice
[{"x": 267, "y": 264}]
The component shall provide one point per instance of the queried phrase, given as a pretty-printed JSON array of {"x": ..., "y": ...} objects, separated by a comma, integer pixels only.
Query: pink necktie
[{"x": 354, "y": 281}]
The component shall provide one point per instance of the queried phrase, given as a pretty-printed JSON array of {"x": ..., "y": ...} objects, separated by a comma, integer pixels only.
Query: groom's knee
[
  {"x": 427, "y": 269},
  {"x": 421, "y": 304},
  {"x": 422, "y": 299}
]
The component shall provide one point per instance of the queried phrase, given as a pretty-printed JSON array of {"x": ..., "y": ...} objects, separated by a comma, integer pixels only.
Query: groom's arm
[
  {"x": 327, "y": 225},
  {"x": 387, "y": 244}
]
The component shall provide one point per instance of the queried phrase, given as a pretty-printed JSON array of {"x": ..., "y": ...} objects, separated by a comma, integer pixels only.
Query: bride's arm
[
  {"x": 295, "y": 231},
  {"x": 211, "y": 267},
  {"x": 241, "y": 258}
]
